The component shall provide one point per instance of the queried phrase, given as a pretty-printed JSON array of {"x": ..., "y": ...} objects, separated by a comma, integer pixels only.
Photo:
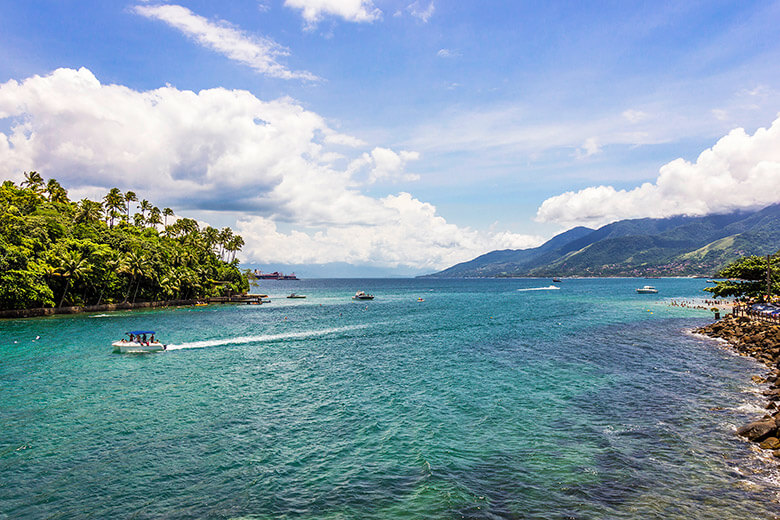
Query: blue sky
[{"x": 404, "y": 136}]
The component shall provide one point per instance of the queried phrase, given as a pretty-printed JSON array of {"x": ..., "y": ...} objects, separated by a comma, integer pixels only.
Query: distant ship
[{"x": 276, "y": 275}]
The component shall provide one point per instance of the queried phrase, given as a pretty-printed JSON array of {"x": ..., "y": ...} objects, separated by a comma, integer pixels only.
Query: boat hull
[
  {"x": 647, "y": 291},
  {"x": 128, "y": 347}
]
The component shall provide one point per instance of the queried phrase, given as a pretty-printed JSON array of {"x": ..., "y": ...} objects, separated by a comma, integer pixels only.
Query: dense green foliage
[
  {"x": 675, "y": 246},
  {"x": 746, "y": 278},
  {"x": 57, "y": 252}
]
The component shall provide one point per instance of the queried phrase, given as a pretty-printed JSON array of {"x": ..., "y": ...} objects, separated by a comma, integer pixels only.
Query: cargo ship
[{"x": 276, "y": 275}]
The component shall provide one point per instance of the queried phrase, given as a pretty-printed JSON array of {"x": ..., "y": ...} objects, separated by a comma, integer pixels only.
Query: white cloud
[
  {"x": 739, "y": 172},
  {"x": 256, "y": 52},
  {"x": 447, "y": 53},
  {"x": 226, "y": 151},
  {"x": 589, "y": 147},
  {"x": 412, "y": 235},
  {"x": 634, "y": 116},
  {"x": 422, "y": 13},
  {"x": 384, "y": 164},
  {"x": 314, "y": 11}
]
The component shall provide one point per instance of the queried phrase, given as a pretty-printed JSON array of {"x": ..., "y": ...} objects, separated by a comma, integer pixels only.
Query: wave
[
  {"x": 239, "y": 340},
  {"x": 100, "y": 316},
  {"x": 548, "y": 288}
]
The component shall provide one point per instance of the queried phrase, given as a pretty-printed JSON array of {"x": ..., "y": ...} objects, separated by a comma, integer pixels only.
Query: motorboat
[
  {"x": 293, "y": 296},
  {"x": 361, "y": 295},
  {"x": 556, "y": 280},
  {"x": 647, "y": 289},
  {"x": 138, "y": 343}
]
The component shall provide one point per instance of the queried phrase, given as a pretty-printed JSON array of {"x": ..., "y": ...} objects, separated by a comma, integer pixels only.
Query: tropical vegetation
[
  {"x": 747, "y": 278},
  {"x": 56, "y": 252}
]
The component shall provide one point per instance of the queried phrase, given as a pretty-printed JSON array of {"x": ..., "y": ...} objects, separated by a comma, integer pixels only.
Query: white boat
[
  {"x": 137, "y": 345},
  {"x": 293, "y": 295},
  {"x": 647, "y": 289},
  {"x": 360, "y": 295}
]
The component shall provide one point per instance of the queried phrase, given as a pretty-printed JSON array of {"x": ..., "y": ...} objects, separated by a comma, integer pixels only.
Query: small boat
[
  {"x": 647, "y": 289},
  {"x": 556, "y": 279},
  {"x": 420, "y": 300},
  {"x": 200, "y": 304},
  {"x": 136, "y": 343},
  {"x": 293, "y": 295},
  {"x": 361, "y": 295}
]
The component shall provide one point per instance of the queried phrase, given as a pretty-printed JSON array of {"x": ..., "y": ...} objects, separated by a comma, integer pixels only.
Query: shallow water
[{"x": 489, "y": 399}]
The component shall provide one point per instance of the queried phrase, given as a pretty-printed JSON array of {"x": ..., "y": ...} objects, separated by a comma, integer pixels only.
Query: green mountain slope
[{"x": 676, "y": 246}]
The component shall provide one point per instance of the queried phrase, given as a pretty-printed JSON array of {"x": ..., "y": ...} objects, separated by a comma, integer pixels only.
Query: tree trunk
[
  {"x": 67, "y": 284},
  {"x": 136, "y": 289},
  {"x": 129, "y": 288}
]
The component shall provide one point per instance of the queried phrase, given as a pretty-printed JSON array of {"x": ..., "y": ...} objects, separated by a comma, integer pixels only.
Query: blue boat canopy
[{"x": 140, "y": 332}]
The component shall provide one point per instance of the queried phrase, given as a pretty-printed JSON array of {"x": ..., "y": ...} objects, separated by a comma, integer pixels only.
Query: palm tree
[
  {"x": 136, "y": 265},
  {"x": 138, "y": 220},
  {"x": 170, "y": 284},
  {"x": 188, "y": 225},
  {"x": 34, "y": 181},
  {"x": 129, "y": 196},
  {"x": 56, "y": 192},
  {"x": 235, "y": 244},
  {"x": 224, "y": 238},
  {"x": 211, "y": 236},
  {"x": 145, "y": 206},
  {"x": 72, "y": 266},
  {"x": 154, "y": 216},
  {"x": 114, "y": 202},
  {"x": 167, "y": 212},
  {"x": 89, "y": 211}
]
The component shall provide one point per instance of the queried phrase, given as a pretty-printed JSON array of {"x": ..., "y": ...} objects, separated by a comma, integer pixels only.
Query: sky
[{"x": 399, "y": 137}]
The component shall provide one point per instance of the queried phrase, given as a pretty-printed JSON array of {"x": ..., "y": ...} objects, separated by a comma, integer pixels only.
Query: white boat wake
[
  {"x": 548, "y": 288},
  {"x": 239, "y": 340}
]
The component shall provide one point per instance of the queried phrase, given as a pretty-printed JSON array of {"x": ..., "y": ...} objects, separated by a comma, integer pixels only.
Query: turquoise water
[{"x": 489, "y": 399}]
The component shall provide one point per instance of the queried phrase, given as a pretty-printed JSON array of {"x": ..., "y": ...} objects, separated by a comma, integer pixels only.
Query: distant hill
[{"x": 675, "y": 246}]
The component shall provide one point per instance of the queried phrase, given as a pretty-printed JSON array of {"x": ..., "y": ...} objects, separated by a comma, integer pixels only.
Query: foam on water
[
  {"x": 548, "y": 288},
  {"x": 262, "y": 338}
]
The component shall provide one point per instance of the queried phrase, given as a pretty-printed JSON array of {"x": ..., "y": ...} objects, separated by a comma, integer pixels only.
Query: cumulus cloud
[
  {"x": 739, "y": 172},
  {"x": 314, "y": 11},
  {"x": 272, "y": 162},
  {"x": 384, "y": 164},
  {"x": 412, "y": 235},
  {"x": 256, "y": 52}
]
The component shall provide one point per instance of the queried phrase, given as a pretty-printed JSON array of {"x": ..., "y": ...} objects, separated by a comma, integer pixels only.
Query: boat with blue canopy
[{"x": 138, "y": 342}]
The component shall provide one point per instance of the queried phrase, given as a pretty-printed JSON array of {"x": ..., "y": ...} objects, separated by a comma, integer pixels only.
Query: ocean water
[{"x": 490, "y": 399}]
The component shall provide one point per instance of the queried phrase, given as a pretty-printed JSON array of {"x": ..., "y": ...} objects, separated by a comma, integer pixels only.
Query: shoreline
[
  {"x": 11, "y": 314},
  {"x": 760, "y": 340}
]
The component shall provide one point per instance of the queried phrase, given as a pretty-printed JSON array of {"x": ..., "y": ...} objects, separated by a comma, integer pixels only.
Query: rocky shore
[{"x": 760, "y": 340}]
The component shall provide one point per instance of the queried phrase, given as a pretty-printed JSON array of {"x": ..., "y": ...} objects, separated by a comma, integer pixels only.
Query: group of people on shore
[{"x": 699, "y": 304}]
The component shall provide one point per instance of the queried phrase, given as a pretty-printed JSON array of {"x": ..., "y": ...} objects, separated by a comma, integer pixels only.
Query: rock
[
  {"x": 770, "y": 443},
  {"x": 758, "y": 380},
  {"x": 758, "y": 431}
]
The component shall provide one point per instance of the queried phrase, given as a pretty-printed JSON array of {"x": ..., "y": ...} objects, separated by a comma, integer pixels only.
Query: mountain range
[{"x": 674, "y": 246}]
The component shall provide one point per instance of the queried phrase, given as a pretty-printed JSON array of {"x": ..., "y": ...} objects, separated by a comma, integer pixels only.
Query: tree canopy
[
  {"x": 54, "y": 251},
  {"x": 746, "y": 278}
]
